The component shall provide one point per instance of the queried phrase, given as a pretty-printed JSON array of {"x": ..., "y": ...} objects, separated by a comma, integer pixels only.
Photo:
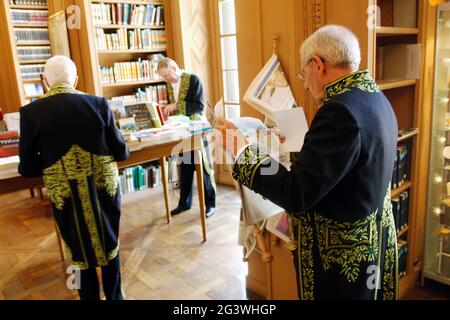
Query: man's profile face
[
  {"x": 169, "y": 74},
  {"x": 312, "y": 72}
]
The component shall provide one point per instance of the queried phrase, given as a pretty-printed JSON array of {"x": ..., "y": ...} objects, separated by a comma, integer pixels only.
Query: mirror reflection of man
[{"x": 185, "y": 93}]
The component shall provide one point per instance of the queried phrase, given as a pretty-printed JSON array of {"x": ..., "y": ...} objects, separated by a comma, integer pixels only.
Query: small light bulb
[
  {"x": 442, "y": 139},
  {"x": 438, "y": 179},
  {"x": 437, "y": 211},
  {"x": 445, "y": 100}
]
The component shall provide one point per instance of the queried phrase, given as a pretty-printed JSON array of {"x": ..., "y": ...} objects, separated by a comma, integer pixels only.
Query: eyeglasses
[{"x": 301, "y": 73}]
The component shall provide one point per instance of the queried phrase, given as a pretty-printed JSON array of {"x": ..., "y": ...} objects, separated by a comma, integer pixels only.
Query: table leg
[
  {"x": 201, "y": 191},
  {"x": 165, "y": 186}
]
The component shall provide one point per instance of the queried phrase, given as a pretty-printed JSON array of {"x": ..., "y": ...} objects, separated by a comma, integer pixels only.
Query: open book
[{"x": 247, "y": 125}]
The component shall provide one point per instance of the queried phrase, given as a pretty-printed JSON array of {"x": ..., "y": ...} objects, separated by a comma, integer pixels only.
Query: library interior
[{"x": 225, "y": 149}]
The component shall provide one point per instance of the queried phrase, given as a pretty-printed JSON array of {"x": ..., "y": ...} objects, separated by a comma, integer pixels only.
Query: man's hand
[
  {"x": 229, "y": 137},
  {"x": 169, "y": 109}
]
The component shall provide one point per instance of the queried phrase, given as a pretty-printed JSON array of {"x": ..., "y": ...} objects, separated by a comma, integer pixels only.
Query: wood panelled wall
[{"x": 194, "y": 42}]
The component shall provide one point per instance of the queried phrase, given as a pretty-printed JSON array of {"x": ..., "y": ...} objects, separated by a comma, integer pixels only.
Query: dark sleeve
[
  {"x": 114, "y": 138},
  {"x": 194, "y": 98},
  {"x": 330, "y": 150},
  {"x": 30, "y": 160}
]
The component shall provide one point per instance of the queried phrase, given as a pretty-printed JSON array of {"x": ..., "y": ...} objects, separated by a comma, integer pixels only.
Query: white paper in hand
[{"x": 292, "y": 124}]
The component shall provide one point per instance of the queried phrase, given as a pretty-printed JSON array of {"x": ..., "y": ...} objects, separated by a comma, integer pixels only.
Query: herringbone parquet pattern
[{"x": 159, "y": 261}]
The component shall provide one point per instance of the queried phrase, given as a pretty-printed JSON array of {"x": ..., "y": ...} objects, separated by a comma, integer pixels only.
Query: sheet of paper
[
  {"x": 292, "y": 124},
  {"x": 219, "y": 110}
]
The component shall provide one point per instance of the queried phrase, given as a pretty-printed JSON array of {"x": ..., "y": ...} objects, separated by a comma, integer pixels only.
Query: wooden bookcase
[
  {"x": 403, "y": 94},
  {"x": 98, "y": 57},
  {"x": 20, "y": 52}
]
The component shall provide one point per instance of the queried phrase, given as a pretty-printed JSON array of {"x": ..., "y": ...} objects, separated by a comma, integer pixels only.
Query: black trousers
[
  {"x": 187, "y": 169},
  {"x": 90, "y": 289}
]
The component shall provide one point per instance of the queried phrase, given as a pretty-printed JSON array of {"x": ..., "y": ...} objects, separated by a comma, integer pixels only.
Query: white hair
[
  {"x": 60, "y": 69},
  {"x": 335, "y": 44},
  {"x": 165, "y": 63}
]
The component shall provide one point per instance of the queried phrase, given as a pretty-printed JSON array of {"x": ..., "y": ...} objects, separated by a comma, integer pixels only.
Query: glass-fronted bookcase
[{"x": 437, "y": 239}]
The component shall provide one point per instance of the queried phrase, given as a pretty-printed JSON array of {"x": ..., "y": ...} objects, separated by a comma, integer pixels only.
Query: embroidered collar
[
  {"x": 60, "y": 88},
  {"x": 359, "y": 79}
]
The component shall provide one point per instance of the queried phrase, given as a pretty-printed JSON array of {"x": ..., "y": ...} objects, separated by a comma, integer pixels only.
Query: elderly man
[
  {"x": 69, "y": 138},
  {"x": 186, "y": 98},
  {"x": 337, "y": 191}
]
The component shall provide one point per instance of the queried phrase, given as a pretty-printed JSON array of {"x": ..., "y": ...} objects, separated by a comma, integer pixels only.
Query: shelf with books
[{"x": 128, "y": 37}]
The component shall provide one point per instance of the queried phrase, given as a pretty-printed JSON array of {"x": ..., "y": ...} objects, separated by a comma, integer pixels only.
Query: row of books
[
  {"x": 127, "y": 14},
  {"x": 29, "y": 16},
  {"x": 147, "y": 176},
  {"x": 400, "y": 171},
  {"x": 402, "y": 257},
  {"x": 31, "y": 71},
  {"x": 400, "y": 209},
  {"x": 123, "y": 39},
  {"x": 34, "y": 53},
  {"x": 141, "y": 70},
  {"x": 153, "y": 93},
  {"x": 31, "y": 34},
  {"x": 28, "y": 2}
]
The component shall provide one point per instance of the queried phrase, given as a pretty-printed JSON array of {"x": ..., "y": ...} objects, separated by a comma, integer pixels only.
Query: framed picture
[{"x": 57, "y": 31}]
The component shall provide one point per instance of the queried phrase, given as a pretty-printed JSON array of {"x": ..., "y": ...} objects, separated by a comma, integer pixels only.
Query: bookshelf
[
  {"x": 26, "y": 22},
  {"x": 398, "y": 44},
  {"x": 126, "y": 39}
]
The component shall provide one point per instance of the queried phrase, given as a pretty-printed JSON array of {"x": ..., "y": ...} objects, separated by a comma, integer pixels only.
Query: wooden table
[
  {"x": 161, "y": 151},
  {"x": 13, "y": 182}
]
